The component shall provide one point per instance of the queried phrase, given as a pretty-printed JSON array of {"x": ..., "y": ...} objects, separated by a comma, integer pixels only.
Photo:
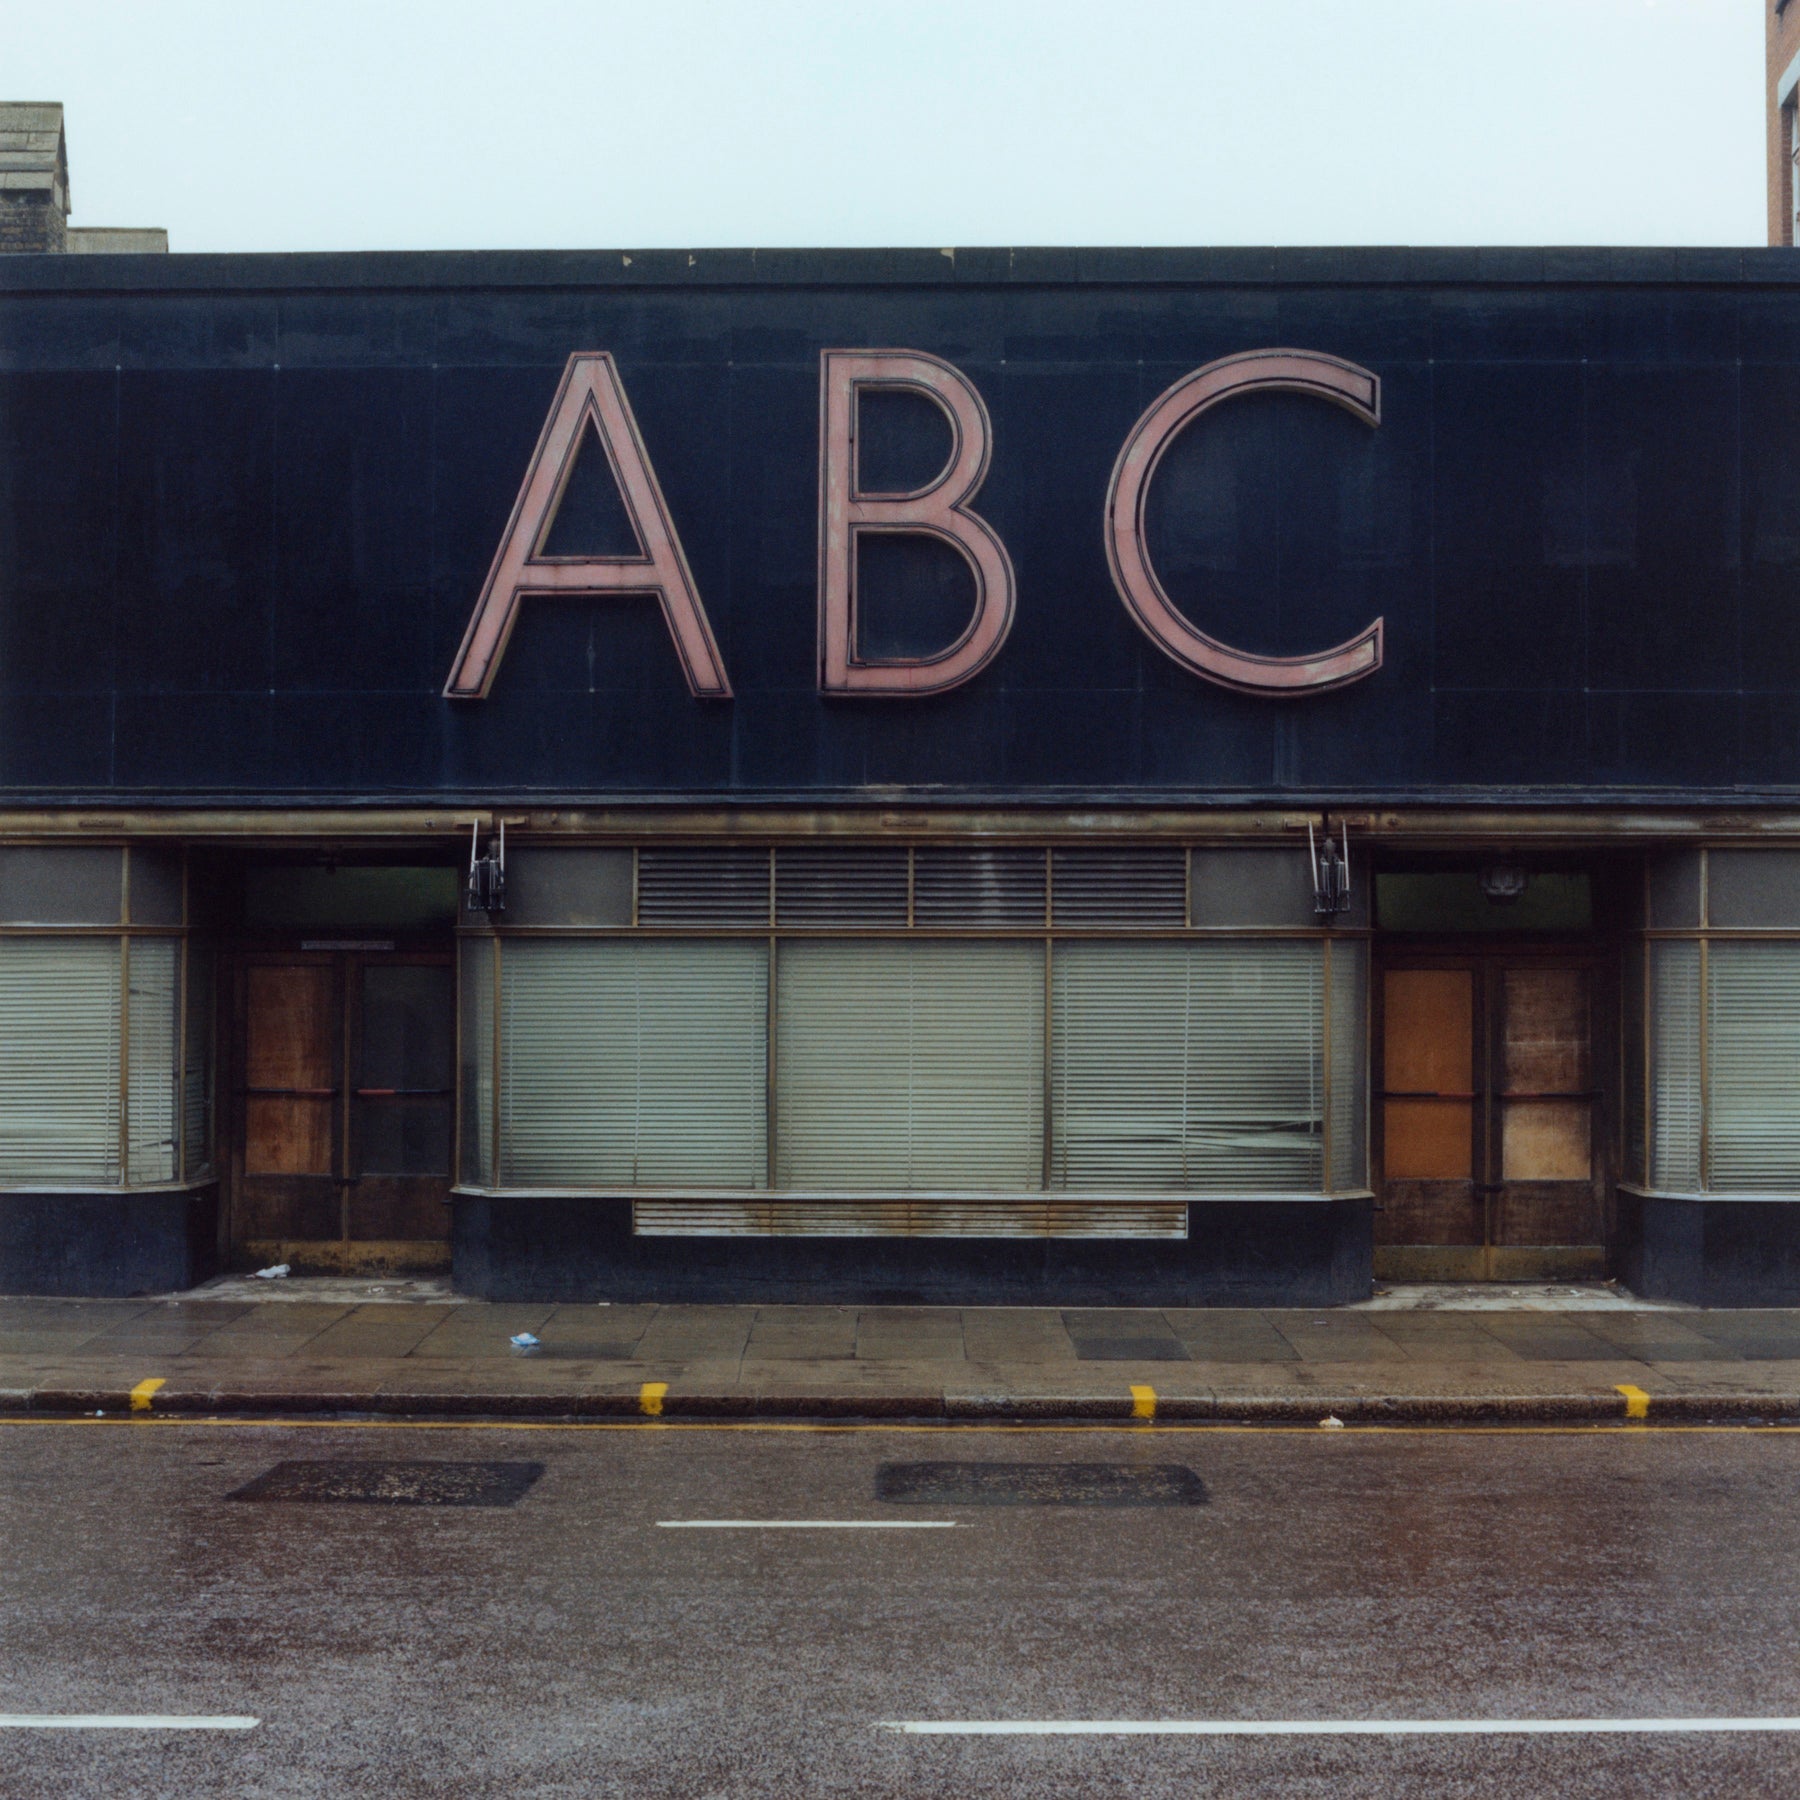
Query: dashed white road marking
[
  {"x": 127, "y": 1722},
  {"x": 807, "y": 1524},
  {"x": 1317, "y": 1727}
]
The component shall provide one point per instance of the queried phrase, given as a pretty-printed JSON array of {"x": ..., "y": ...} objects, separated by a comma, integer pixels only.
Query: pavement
[
  {"x": 310, "y": 1347},
  {"x": 201, "y": 1609}
]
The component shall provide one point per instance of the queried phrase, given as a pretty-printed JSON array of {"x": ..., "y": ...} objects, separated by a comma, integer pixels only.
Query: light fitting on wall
[
  {"x": 1503, "y": 882},
  {"x": 1330, "y": 869},
  {"x": 487, "y": 874}
]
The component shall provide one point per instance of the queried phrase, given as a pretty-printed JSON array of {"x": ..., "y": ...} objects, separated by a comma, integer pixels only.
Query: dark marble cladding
[
  {"x": 1710, "y": 1252},
  {"x": 108, "y": 1245},
  {"x": 247, "y": 503},
  {"x": 1242, "y": 1253}
]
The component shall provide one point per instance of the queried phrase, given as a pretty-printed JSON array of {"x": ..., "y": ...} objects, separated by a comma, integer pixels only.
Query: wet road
[{"x": 571, "y": 1643}]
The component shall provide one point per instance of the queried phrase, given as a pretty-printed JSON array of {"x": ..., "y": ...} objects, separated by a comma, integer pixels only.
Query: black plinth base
[
  {"x": 1308, "y": 1253},
  {"x": 1710, "y": 1252},
  {"x": 108, "y": 1246}
]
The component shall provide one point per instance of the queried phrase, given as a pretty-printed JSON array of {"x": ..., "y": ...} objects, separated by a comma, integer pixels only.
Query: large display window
[
  {"x": 951, "y": 1021},
  {"x": 105, "y": 1022}
]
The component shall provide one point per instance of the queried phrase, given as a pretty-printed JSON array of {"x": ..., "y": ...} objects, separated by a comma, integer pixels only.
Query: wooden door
[
  {"x": 343, "y": 1123},
  {"x": 1488, "y": 1121}
]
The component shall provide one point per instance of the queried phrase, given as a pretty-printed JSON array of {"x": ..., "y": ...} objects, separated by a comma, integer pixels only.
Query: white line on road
[
  {"x": 127, "y": 1722},
  {"x": 807, "y": 1524},
  {"x": 1314, "y": 1727}
]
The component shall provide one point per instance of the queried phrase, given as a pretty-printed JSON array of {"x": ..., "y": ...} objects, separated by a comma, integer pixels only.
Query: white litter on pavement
[{"x": 274, "y": 1272}]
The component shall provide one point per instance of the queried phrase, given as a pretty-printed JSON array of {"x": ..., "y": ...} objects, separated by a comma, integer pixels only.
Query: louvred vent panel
[
  {"x": 1144, "y": 886},
  {"x": 708, "y": 885}
]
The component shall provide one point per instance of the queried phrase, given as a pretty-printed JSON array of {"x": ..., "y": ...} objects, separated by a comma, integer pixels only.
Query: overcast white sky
[{"x": 402, "y": 124}]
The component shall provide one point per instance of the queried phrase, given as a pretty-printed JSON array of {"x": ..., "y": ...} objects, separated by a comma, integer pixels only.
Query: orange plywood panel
[
  {"x": 287, "y": 1136},
  {"x": 1429, "y": 1030},
  {"x": 288, "y": 1026},
  {"x": 1429, "y": 1139}
]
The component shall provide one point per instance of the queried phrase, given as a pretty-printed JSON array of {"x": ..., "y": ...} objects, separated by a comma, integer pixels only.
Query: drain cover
[
  {"x": 1130, "y": 1349},
  {"x": 1039, "y": 1484},
  {"x": 396, "y": 1483}
]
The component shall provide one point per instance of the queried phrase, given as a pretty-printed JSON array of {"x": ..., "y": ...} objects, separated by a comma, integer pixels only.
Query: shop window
[
  {"x": 1753, "y": 889},
  {"x": 59, "y": 1062},
  {"x": 1753, "y": 1067},
  {"x": 633, "y": 1064},
  {"x": 910, "y": 1065},
  {"x": 568, "y": 887},
  {"x": 1188, "y": 1067},
  {"x": 154, "y": 1060},
  {"x": 197, "y": 1064},
  {"x": 1675, "y": 1063}
]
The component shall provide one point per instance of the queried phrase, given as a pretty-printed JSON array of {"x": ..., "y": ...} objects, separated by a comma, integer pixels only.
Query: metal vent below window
[
  {"x": 1142, "y": 887},
  {"x": 911, "y": 1218},
  {"x": 841, "y": 884},
  {"x": 987, "y": 887},
  {"x": 708, "y": 885}
]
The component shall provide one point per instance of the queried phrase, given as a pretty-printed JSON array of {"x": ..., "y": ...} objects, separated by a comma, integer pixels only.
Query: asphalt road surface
[{"x": 696, "y": 1612}]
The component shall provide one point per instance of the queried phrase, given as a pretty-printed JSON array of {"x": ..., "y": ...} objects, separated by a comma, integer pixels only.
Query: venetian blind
[
  {"x": 633, "y": 1064},
  {"x": 59, "y": 1061},
  {"x": 1675, "y": 1065},
  {"x": 910, "y": 1066},
  {"x": 154, "y": 1060},
  {"x": 1188, "y": 1067},
  {"x": 1753, "y": 1078},
  {"x": 475, "y": 1156}
]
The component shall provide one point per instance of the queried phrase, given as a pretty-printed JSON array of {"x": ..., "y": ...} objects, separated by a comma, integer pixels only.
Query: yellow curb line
[
  {"x": 1637, "y": 1402},
  {"x": 140, "y": 1395},
  {"x": 1449, "y": 1428}
]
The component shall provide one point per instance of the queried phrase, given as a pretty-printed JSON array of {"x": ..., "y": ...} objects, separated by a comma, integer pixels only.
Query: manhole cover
[
  {"x": 1130, "y": 1349},
  {"x": 396, "y": 1483},
  {"x": 1039, "y": 1484}
]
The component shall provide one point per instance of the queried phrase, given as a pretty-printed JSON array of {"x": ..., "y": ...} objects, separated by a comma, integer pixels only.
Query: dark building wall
[
  {"x": 108, "y": 1245},
  {"x": 1251, "y": 1253},
  {"x": 247, "y": 505}
]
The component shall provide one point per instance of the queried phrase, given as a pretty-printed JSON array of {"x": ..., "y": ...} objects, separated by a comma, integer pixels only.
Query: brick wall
[{"x": 31, "y": 221}]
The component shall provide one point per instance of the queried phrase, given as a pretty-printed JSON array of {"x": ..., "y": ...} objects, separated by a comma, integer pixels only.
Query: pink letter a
[{"x": 590, "y": 391}]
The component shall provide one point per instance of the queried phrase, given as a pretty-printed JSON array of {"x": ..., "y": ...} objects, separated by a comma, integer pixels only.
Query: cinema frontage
[{"x": 1103, "y": 778}]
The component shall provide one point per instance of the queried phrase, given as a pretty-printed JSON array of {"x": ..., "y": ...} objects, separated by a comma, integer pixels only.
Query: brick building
[{"x": 34, "y": 190}]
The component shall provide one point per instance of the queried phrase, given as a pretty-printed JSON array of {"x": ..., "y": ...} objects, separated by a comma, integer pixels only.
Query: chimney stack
[{"x": 34, "y": 190}]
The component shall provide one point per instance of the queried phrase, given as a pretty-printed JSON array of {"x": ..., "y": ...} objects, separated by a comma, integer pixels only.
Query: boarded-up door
[
  {"x": 1489, "y": 1147},
  {"x": 341, "y": 1157}
]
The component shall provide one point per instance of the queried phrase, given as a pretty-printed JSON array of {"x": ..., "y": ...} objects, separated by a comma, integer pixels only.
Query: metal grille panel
[
  {"x": 707, "y": 885},
  {"x": 841, "y": 884},
  {"x": 958, "y": 887},
  {"x": 1143, "y": 885},
  {"x": 1027, "y": 1218}
]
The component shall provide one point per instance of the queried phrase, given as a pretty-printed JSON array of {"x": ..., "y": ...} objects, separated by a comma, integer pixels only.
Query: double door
[
  {"x": 343, "y": 1110},
  {"x": 1490, "y": 1119}
]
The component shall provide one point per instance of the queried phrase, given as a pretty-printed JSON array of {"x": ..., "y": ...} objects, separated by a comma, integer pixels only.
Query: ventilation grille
[
  {"x": 1142, "y": 887},
  {"x": 709, "y": 885},
  {"x": 841, "y": 885},
  {"x": 991, "y": 888},
  {"x": 1028, "y": 1218}
]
